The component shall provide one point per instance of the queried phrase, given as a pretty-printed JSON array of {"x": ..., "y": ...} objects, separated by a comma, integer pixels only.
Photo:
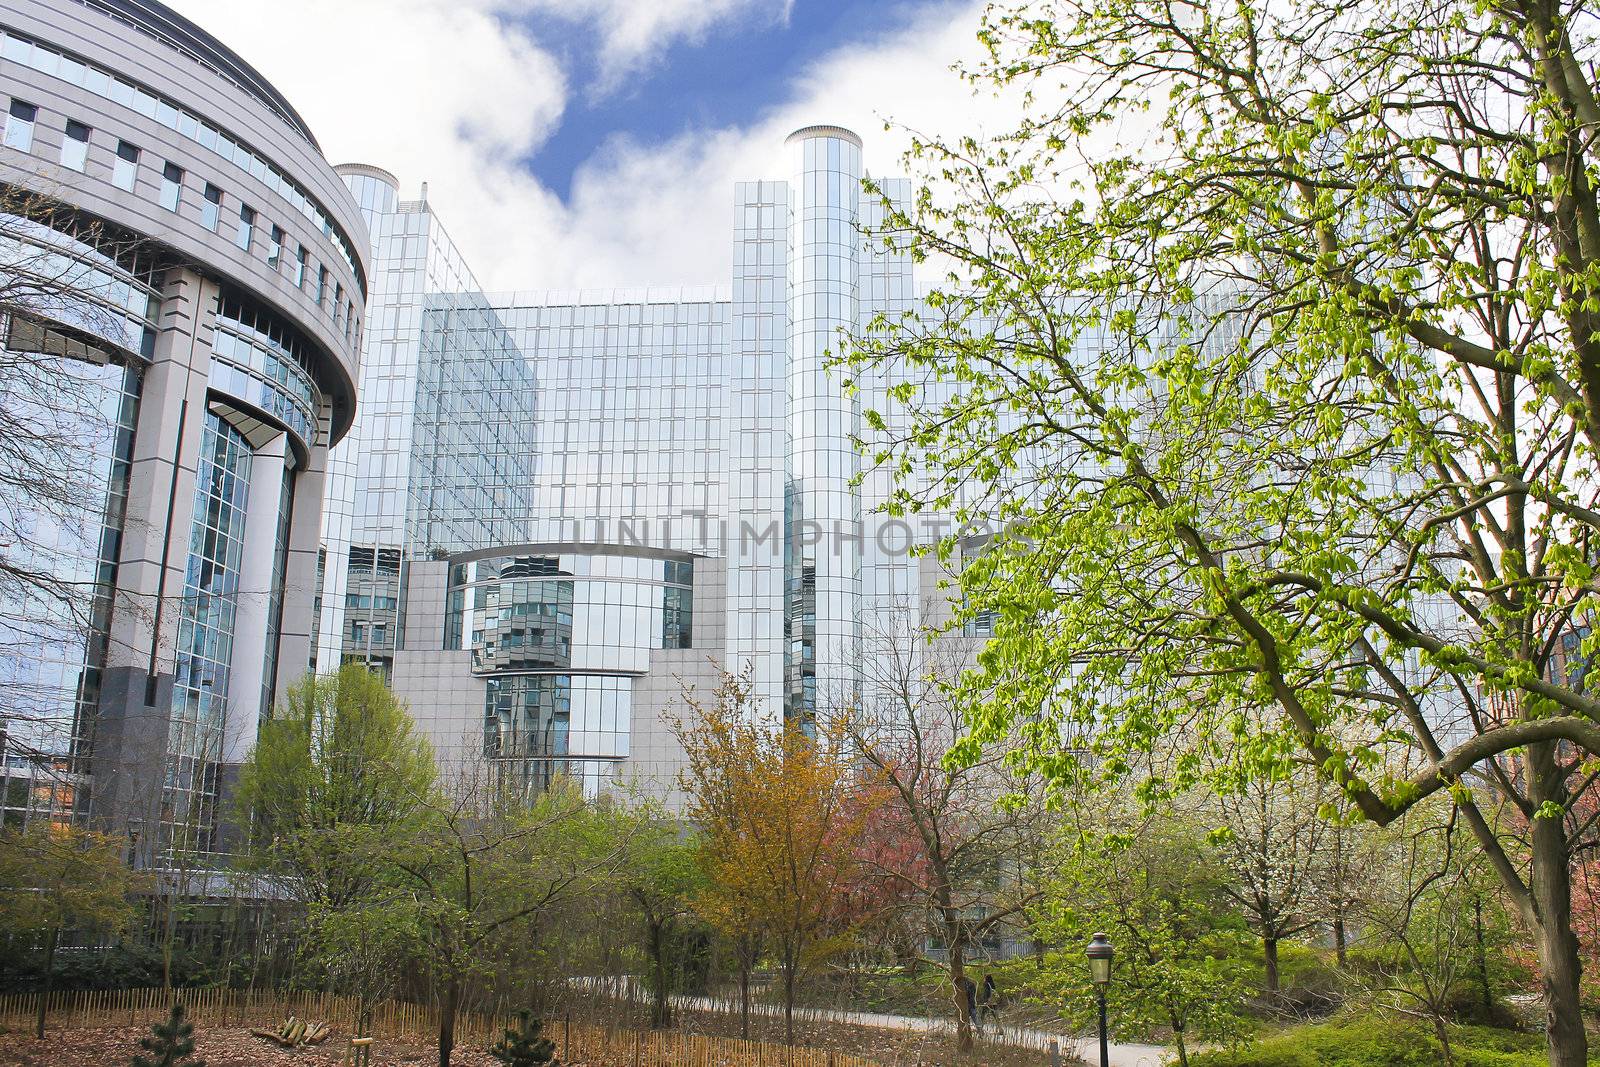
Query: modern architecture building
[
  {"x": 544, "y": 516},
  {"x": 181, "y": 258},
  {"x": 559, "y": 511}
]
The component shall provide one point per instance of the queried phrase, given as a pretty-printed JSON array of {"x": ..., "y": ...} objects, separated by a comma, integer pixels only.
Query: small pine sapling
[
  {"x": 170, "y": 1044},
  {"x": 527, "y": 1047}
]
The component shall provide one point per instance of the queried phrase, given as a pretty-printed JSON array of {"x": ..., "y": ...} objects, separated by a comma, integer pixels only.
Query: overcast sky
[{"x": 594, "y": 143}]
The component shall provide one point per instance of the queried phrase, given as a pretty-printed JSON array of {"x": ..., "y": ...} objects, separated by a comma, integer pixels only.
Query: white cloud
[
  {"x": 449, "y": 92},
  {"x": 634, "y": 32}
]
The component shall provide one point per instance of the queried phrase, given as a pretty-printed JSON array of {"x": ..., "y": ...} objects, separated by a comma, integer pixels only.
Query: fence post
[
  {"x": 638, "y": 1040},
  {"x": 566, "y": 1035},
  {"x": 1055, "y": 1053}
]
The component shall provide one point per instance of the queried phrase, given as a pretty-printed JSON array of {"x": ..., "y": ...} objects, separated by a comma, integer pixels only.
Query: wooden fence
[{"x": 396, "y": 1020}]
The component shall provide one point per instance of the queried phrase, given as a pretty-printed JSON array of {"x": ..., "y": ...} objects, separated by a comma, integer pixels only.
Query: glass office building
[
  {"x": 567, "y": 507},
  {"x": 186, "y": 289}
]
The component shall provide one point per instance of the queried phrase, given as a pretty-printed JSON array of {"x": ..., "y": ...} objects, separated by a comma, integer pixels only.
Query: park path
[{"x": 1123, "y": 1054}]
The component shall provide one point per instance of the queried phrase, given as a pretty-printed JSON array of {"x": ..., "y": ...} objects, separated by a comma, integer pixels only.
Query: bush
[{"x": 1368, "y": 1041}]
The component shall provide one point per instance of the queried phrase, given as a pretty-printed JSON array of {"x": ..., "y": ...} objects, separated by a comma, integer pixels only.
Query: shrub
[{"x": 1368, "y": 1041}]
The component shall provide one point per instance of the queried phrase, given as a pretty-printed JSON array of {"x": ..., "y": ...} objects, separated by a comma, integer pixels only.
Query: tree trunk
[
  {"x": 1549, "y": 883},
  {"x": 958, "y": 992},
  {"x": 1482, "y": 959},
  {"x": 49, "y": 979},
  {"x": 1270, "y": 945},
  {"x": 660, "y": 1014},
  {"x": 1182, "y": 1046},
  {"x": 789, "y": 965},
  {"x": 744, "y": 994},
  {"x": 1340, "y": 943},
  {"x": 447, "y": 1020}
]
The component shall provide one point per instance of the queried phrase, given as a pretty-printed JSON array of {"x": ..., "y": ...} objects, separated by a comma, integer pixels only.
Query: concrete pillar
[{"x": 252, "y": 614}]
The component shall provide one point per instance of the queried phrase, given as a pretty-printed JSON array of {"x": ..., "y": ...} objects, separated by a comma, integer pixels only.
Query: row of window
[
  {"x": 58, "y": 64},
  {"x": 21, "y": 119}
]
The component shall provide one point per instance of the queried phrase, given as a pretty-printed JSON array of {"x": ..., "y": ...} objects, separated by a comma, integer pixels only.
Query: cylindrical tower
[
  {"x": 211, "y": 269},
  {"x": 822, "y": 509}
]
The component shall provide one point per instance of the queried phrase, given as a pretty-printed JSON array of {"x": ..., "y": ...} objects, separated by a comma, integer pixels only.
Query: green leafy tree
[
  {"x": 170, "y": 1043},
  {"x": 661, "y": 876},
  {"x": 1436, "y": 924},
  {"x": 487, "y": 863},
  {"x": 56, "y": 878},
  {"x": 1162, "y": 899},
  {"x": 1270, "y": 335},
  {"x": 333, "y": 792},
  {"x": 526, "y": 1046}
]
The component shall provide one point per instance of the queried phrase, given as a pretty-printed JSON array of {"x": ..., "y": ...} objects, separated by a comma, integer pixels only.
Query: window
[
  {"x": 322, "y": 284},
  {"x": 358, "y": 632},
  {"x": 19, "y": 126},
  {"x": 300, "y": 269},
  {"x": 75, "y": 146},
  {"x": 171, "y": 186},
  {"x": 211, "y": 210},
  {"x": 275, "y": 246},
  {"x": 247, "y": 226},
  {"x": 380, "y": 633},
  {"x": 338, "y": 304},
  {"x": 126, "y": 168}
]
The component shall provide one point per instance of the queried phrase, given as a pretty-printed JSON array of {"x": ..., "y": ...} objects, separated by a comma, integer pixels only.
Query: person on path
[
  {"x": 971, "y": 989},
  {"x": 986, "y": 1004}
]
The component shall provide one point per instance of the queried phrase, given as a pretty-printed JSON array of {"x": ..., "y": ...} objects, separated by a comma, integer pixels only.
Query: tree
[
  {"x": 1151, "y": 887},
  {"x": 1272, "y": 842},
  {"x": 485, "y": 863},
  {"x": 661, "y": 877},
  {"x": 1428, "y": 906},
  {"x": 331, "y": 794},
  {"x": 55, "y": 879},
  {"x": 171, "y": 1043},
  {"x": 778, "y": 828},
  {"x": 972, "y": 830},
  {"x": 526, "y": 1046},
  {"x": 1275, "y": 348}
]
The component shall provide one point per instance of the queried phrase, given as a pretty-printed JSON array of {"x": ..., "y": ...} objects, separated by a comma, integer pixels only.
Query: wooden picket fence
[{"x": 396, "y": 1020}]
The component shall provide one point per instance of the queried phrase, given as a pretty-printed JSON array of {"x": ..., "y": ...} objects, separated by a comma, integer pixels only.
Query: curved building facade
[{"x": 215, "y": 292}]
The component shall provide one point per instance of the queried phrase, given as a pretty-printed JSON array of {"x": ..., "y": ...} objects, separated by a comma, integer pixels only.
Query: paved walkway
[{"x": 1086, "y": 1049}]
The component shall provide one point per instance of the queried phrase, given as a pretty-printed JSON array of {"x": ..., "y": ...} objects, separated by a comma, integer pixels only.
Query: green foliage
[
  {"x": 334, "y": 793},
  {"x": 60, "y": 876},
  {"x": 526, "y": 1046},
  {"x": 1368, "y": 1041},
  {"x": 170, "y": 1043},
  {"x": 1181, "y": 952},
  {"x": 1263, "y": 338}
]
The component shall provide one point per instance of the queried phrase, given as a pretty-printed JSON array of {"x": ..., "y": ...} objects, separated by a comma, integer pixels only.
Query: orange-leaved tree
[{"x": 780, "y": 810}]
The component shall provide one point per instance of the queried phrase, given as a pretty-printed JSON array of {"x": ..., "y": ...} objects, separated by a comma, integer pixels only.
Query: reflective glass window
[
  {"x": 275, "y": 246},
  {"x": 211, "y": 210},
  {"x": 171, "y": 186},
  {"x": 19, "y": 126},
  {"x": 247, "y": 227},
  {"x": 75, "y": 146},
  {"x": 125, "y": 168}
]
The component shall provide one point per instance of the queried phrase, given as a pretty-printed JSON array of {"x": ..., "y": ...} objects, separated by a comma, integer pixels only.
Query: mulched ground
[
  {"x": 115, "y": 1047},
  {"x": 235, "y": 1047}
]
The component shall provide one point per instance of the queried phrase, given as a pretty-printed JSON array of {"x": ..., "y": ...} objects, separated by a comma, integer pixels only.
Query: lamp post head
[{"x": 1100, "y": 953}]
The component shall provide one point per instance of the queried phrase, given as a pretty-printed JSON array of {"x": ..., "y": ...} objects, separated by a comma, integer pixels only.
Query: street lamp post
[{"x": 1100, "y": 953}]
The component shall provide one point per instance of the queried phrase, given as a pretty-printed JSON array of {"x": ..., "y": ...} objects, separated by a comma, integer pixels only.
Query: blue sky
[
  {"x": 730, "y": 77},
  {"x": 595, "y": 143}
]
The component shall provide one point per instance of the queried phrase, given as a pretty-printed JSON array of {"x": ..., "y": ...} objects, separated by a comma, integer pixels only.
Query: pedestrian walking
[{"x": 986, "y": 1000}]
